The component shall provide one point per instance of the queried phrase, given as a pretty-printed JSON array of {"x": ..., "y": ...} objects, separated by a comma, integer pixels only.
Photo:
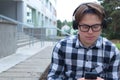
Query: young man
[{"x": 86, "y": 52}]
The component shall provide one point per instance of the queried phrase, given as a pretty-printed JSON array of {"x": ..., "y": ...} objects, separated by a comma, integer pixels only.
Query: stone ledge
[{"x": 45, "y": 73}]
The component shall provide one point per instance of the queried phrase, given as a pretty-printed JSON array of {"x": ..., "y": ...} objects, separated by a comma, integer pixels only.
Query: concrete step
[
  {"x": 24, "y": 43},
  {"x": 23, "y": 40},
  {"x": 22, "y": 36}
]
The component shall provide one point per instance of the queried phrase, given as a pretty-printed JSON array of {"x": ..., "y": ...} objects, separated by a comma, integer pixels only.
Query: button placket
[
  {"x": 88, "y": 60},
  {"x": 87, "y": 55}
]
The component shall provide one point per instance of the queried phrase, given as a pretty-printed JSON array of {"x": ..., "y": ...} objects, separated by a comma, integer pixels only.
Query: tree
[
  {"x": 112, "y": 9},
  {"x": 59, "y": 25}
]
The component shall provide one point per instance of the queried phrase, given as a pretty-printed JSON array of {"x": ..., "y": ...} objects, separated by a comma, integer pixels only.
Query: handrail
[{"x": 14, "y": 21}]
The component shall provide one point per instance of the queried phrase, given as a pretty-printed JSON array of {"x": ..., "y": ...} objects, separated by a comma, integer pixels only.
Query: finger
[{"x": 98, "y": 78}]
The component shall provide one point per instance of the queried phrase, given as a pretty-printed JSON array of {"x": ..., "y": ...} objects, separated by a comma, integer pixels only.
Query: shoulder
[
  {"x": 69, "y": 39},
  {"x": 108, "y": 42},
  {"x": 110, "y": 46}
]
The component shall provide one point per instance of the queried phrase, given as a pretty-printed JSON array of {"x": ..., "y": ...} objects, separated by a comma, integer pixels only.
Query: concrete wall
[{"x": 7, "y": 39}]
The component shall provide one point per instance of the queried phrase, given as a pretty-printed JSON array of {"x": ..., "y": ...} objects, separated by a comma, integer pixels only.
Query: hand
[
  {"x": 81, "y": 79},
  {"x": 98, "y": 78}
]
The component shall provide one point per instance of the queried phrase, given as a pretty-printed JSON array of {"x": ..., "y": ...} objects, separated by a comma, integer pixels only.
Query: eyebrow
[{"x": 92, "y": 24}]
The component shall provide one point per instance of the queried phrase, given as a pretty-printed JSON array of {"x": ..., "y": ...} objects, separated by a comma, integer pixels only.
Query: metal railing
[{"x": 33, "y": 34}]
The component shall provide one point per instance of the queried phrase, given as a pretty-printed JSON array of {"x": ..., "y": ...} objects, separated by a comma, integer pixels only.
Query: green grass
[{"x": 118, "y": 45}]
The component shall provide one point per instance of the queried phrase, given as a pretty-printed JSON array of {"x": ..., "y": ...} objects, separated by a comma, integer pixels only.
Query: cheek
[
  {"x": 99, "y": 32},
  {"x": 82, "y": 34}
]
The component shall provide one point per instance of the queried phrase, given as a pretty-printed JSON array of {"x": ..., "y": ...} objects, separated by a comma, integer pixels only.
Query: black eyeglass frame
[{"x": 90, "y": 26}]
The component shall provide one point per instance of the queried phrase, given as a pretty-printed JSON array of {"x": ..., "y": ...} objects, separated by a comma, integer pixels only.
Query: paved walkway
[{"x": 28, "y": 64}]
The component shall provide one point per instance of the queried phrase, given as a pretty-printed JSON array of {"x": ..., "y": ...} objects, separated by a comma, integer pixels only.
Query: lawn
[
  {"x": 117, "y": 42},
  {"x": 118, "y": 45}
]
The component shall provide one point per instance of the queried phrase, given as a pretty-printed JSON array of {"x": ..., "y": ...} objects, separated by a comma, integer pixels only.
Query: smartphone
[{"x": 91, "y": 75}]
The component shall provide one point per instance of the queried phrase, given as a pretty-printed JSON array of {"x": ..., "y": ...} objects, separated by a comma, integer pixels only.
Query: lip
[{"x": 90, "y": 38}]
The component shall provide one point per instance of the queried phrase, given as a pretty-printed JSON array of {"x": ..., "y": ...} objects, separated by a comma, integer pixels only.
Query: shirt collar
[{"x": 99, "y": 42}]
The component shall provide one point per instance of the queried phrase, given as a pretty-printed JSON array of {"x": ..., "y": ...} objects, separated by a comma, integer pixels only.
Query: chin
[{"x": 90, "y": 42}]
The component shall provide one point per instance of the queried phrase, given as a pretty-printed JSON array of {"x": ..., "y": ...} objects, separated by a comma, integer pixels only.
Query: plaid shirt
[{"x": 70, "y": 60}]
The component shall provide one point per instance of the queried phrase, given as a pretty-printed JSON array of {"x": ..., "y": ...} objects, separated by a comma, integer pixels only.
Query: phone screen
[{"x": 91, "y": 75}]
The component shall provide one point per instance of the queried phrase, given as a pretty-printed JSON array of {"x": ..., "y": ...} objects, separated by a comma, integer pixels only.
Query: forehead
[{"x": 90, "y": 18}]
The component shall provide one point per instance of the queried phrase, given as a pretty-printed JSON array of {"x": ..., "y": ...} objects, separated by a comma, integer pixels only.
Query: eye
[
  {"x": 96, "y": 26},
  {"x": 85, "y": 26}
]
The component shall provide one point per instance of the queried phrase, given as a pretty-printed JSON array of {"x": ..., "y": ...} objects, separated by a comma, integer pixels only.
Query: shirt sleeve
[
  {"x": 57, "y": 64},
  {"x": 113, "y": 72}
]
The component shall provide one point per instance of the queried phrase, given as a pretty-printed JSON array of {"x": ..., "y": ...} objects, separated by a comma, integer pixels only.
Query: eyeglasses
[{"x": 94, "y": 27}]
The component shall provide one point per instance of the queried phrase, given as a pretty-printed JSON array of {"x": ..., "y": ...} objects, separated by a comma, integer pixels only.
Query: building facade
[{"x": 38, "y": 13}]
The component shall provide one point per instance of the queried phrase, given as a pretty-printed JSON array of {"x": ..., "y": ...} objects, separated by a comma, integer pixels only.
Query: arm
[
  {"x": 57, "y": 64},
  {"x": 113, "y": 69}
]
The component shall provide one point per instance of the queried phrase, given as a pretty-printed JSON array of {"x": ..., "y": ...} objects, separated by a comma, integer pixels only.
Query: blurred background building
[{"x": 38, "y": 13}]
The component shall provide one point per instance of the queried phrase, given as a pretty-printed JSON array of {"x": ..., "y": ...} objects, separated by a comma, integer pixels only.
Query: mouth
[{"x": 90, "y": 38}]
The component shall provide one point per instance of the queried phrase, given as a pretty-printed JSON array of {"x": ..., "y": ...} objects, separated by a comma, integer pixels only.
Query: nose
[{"x": 90, "y": 30}]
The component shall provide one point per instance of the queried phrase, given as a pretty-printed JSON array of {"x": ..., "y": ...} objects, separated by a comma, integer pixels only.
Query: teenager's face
[{"x": 89, "y": 37}]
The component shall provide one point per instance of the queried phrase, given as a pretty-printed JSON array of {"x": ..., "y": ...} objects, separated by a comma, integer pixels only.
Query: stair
[{"x": 24, "y": 39}]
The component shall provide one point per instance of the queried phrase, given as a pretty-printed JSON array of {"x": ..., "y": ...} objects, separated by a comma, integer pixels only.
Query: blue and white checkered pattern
[{"x": 70, "y": 60}]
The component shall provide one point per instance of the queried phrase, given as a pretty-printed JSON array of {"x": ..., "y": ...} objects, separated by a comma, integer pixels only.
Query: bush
[
  {"x": 114, "y": 35},
  {"x": 118, "y": 45}
]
